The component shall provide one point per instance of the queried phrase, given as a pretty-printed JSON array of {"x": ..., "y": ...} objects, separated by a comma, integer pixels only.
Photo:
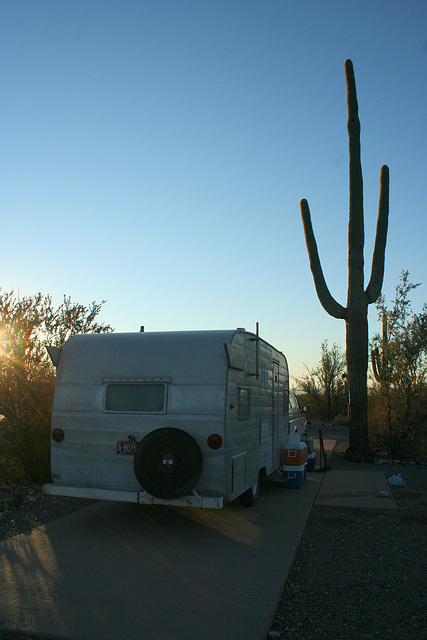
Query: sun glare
[{"x": 11, "y": 341}]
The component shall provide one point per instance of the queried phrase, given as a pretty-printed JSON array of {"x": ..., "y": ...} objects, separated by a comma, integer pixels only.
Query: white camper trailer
[{"x": 184, "y": 418}]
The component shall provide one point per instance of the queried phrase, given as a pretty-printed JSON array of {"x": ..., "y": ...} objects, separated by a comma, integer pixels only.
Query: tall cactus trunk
[
  {"x": 355, "y": 313},
  {"x": 356, "y": 321},
  {"x": 357, "y": 366}
]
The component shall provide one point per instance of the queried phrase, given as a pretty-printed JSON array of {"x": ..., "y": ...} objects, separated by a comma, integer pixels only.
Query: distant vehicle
[
  {"x": 297, "y": 415},
  {"x": 184, "y": 418}
]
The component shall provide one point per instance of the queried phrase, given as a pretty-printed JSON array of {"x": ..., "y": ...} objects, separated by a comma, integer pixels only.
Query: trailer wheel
[
  {"x": 248, "y": 498},
  {"x": 168, "y": 463}
]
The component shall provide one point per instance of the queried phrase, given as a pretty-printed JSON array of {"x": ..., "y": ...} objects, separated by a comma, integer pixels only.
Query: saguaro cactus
[
  {"x": 382, "y": 370},
  {"x": 380, "y": 361},
  {"x": 355, "y": 313}
]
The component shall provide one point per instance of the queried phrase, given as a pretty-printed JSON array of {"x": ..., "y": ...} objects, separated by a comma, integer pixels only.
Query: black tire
[
  {"x": 168, "y": 463},
  {"x": 250, "y": 496}
]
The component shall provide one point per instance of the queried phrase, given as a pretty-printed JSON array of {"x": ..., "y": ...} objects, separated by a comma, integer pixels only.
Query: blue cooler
[
  {"x": 308, "y": 441},
  {"x": 294, "y": 474},
  {"x": 311, "y": 461}
]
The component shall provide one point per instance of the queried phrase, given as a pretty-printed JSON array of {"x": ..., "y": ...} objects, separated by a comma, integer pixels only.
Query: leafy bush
[
  {"x": 397, "y": 402},
  {"x": 323, "y": 387},
  {"x": 391, "y": 433},
  {"x": 27, "y": 377},
  {"x": 341, "y": 420}
]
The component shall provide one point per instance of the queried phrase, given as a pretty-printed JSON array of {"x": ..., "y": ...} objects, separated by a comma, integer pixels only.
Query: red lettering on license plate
[{"x": 126, "y": 447}]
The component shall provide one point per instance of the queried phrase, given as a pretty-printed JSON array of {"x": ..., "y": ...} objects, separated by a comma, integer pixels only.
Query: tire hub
[{"x": 169, "y": 461}]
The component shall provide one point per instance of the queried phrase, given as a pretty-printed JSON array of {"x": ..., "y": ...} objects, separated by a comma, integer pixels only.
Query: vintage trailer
[{"x": 184, "y": 418}]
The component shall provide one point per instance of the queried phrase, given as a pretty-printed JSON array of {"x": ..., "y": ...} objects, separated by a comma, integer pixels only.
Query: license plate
[{"x": 126, "y": 447}]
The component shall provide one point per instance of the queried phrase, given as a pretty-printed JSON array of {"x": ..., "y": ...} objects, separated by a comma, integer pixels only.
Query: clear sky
[{"x": 154, "y": 153}]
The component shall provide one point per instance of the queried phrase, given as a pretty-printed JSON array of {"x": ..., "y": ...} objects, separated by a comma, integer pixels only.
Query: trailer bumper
[{"x": 139, "y": 497}]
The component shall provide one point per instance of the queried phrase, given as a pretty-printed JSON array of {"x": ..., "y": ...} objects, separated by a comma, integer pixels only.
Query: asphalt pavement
[{"x": 119, "y": 571}]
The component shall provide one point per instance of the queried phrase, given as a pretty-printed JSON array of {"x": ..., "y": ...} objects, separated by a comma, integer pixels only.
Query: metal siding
[
  {"x": 243, "y": 437},
  {"x": 199, "y": 399},
  {"x": 88, "y": 455},
  {"x": 198, "y": 403},
  {"x": 186, "y": 356},
  {"x": 78, "y": 397}
]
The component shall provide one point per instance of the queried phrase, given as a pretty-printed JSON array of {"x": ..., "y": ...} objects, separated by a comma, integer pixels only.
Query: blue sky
[{"x": 154, "y": 153}]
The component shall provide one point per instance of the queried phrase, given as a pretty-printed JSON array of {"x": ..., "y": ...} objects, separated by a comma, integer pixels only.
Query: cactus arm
[
  {"x": 327, "y": 301},
  {"x": 375, "y": 354},
  {"x": 373, "y": 290}
]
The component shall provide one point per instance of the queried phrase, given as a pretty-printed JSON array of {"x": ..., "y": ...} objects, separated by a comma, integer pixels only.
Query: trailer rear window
[{"x": 135, "y": 397}]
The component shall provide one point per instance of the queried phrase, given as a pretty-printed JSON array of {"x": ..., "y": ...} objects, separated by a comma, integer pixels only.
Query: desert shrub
[
  {"x": 25, "y": 430},
  {"x": 27, "y": 377},
  {"x": 397, "y": 403},
  {"x": 323, "y": 387},
  {"x": 391, "y": 433}
]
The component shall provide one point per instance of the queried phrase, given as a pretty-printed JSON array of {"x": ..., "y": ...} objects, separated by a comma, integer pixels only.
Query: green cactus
[
  {"x": 382, "y": 370},
  {"x": 377, "y": 366},
  {"x": 355, "y": 313},
  {"x": 380, "y": 362}
]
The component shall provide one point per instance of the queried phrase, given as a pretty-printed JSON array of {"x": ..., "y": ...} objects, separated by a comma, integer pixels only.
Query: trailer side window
[
  {"x": 135, "y": 397},
  {"x": 244, "y": 397},
  {"x": 264, "y": 378},
  {"x": 293, "y": 403},
  {"x": 285, "y": 400}
]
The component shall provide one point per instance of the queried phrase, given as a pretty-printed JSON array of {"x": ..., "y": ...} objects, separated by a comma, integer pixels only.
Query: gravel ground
[
  {"x": 361, "y": 574},
  {"x": 358, "y": 574},
  {"x": 26, "y": 508}
]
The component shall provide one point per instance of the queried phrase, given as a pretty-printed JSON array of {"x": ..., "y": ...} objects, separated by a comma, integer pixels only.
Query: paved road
[
  {"x": 122, "y": 571},
  {"x": 329, "y": 432}
]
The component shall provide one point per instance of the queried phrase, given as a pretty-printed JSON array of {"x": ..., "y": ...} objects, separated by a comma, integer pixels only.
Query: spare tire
[{"x": 168, "y": 463}]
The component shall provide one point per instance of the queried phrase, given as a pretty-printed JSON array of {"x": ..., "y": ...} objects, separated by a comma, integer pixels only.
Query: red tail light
[
  {"x": 58, "y": 435},
  {"x": 215, "y": 441}
]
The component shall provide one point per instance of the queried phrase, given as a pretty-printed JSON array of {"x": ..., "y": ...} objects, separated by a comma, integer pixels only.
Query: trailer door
[{"x": 275, "y": 413}]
